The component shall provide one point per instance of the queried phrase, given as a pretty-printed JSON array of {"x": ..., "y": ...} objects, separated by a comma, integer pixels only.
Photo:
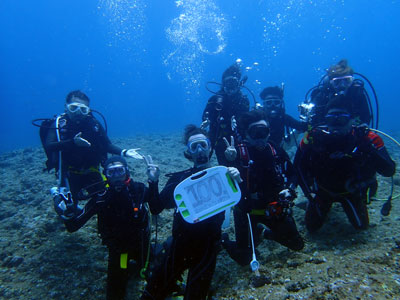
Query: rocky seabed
[{"x": 40, "y": 260}]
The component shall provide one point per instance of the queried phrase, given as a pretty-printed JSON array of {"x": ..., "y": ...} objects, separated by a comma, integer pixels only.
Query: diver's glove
[
  {"x": 230, "y": 152},
  {"x": 132, "y": 153},
  {"x": 361, "y": 134},
  {"x": 81, "y": 142},
  {"x": 367, "y": 141},
  {"x": 233, "y": 123},
  {"x": 235, "y": 174},
  {"x": 205, "y": 123},
  {"x": 287, "y": 196},
  {"x": 337, "y": 155},
  {"x": 63, "y": 204},
  {"x": 153, "y": 171},
  {"x": 285, "y": 201},
  {"x": 361, "y": 131}
]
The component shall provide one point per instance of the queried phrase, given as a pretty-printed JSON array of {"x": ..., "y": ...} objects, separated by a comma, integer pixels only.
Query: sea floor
[{"x": 40, "y": 260}]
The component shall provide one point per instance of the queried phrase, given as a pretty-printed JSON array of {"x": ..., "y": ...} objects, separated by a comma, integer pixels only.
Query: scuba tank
[{"x": 47, "y": 124}]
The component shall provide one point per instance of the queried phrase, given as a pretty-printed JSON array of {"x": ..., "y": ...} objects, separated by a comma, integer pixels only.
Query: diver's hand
[
  {"x": 64, "y": 206},
  {"x": 205, "y": 124},
  {"x": 153, "y": 171},
  {"x": 285, "y": 200},
  {"x": 287, "y": 195},
  {"x": 81, "y": 142},
  {"x": 230, "y": 152},
  {"x": 131, "y": 153},
  {"x": 338, "y": 155},
  {"x": 233, "y": 123},
  {"x": 365, "y": 142},
  {"x": 361, "y": 131},
  {"x": 235, "y": 174}
]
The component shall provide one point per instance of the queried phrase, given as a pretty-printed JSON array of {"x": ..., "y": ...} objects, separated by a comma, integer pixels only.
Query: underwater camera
[{"x": 307, "y": 111}]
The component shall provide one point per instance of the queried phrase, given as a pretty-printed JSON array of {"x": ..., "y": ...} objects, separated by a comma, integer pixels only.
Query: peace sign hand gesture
[
  {"x": 153, "y": 171},
  {"x": 230, "y": 152}
]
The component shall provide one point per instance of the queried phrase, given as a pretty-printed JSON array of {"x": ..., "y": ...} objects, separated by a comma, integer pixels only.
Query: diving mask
[
  {"x": 337, "y": 119},
  {"x": 115, "y": 171},
  {"x": 197, "y": 145},
  {"x": 76, "y": 106},
  {"x": 341, "y": 83},
  {"x": 258, "y": 131},
  {"x": 272, "y": 102},
  {"x": 231, "y": 85}
]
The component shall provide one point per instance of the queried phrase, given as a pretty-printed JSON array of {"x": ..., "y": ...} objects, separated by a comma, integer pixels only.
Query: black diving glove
[
  {"x": 64, "y": 205},
  {"x": 361, "y": 135},
  {"x": 361, "y": 131}
]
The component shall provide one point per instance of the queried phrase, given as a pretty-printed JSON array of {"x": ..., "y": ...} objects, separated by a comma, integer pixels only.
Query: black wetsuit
[
  {"x": 265, "y": 173},
  {"x": 280, "y": 126},
  {"x": 355, "y": 100},
  {"x": 340, "y": 170},
  {"x": 219, "y": 110},
  {"x": 80, "y": 165},
  {"x": 123, "y": 223},
  {"x": 193, "y": 247}
]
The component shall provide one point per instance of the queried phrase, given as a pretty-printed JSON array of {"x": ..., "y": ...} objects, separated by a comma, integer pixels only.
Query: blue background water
[{"x": 144, "y": 63}]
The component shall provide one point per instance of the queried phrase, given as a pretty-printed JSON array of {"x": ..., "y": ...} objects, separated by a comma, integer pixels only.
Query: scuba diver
[
  {"x": 194, "y": 246},
  {"x": 76, "y": 144},
  {"x": 340, "y": 80},
  {"x": 280, "y": 123},
  {"x": 268, "y": 191},
  {"x": 123, "y": 220},
  {"x": 337, "y": 162},
  {"x": 223, "y": 109}
]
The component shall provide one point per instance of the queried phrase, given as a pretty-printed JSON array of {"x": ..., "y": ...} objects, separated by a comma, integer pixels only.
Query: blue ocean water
[{"x": 144, "y": 63}]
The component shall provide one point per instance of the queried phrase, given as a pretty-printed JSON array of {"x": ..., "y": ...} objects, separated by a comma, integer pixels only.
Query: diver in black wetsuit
[
  {"x": 223, "y": 109},
  {"x": 268, "y": 192},
  {"x": 340, "y": 81},
  {"x": 280, "y": 123},
  {"x": 123, "y": 220},
  {"x": 193, "y": 246},
  {"x": 76, "y": 144},
  {"x": 337, "y": 162}
]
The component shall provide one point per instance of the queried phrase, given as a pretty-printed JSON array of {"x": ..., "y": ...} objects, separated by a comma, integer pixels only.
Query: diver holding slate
[{"x": 195, "y": 241}]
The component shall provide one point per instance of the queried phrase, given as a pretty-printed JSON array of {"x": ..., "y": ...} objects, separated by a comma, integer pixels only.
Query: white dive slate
[{"x": 206, "y": 193}]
